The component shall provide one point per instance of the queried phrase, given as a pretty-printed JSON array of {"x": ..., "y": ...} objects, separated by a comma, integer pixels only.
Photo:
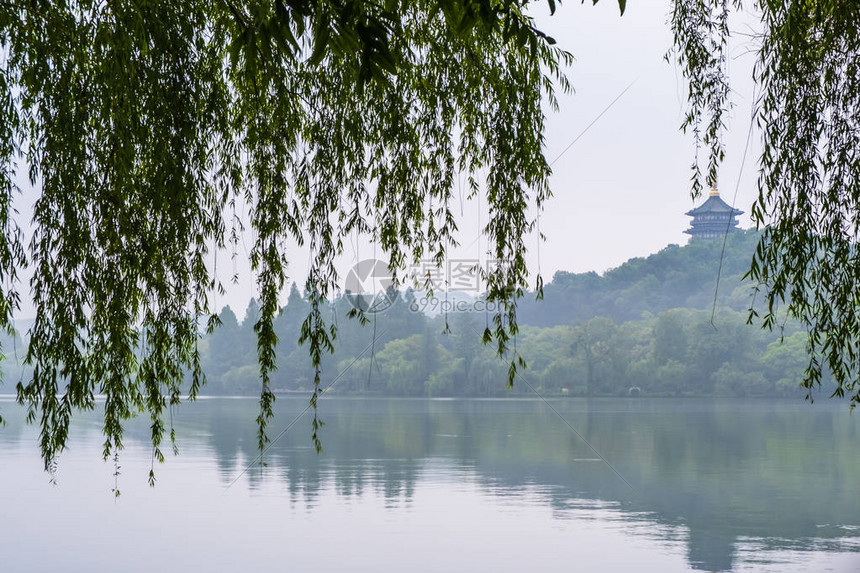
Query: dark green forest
[{"x": 647, "y": 327}]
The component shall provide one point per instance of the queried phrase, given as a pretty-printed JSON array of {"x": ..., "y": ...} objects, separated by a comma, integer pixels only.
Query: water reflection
[
  {"x": 733, "y": 478},
  {"x": 725, "y": 471}
]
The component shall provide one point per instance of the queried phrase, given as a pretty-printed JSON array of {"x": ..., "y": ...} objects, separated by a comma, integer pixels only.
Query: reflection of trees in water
[{"x": 723, "y": 471}]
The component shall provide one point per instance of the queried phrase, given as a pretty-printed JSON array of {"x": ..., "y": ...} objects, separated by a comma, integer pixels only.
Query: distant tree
[
  {"x": 463, "y": 343},
  {"x": 670, "y": 337},
  {"x": 594, "y": 340},
  {"x": 785, "y": 361},
  {"x": 228, "y": 320},
  {"x": 224, "y": 349},
  {"x": 401, "y": 366}
]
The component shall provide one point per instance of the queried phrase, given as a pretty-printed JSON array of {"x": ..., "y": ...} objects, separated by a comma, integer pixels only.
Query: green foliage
[
  {"x": 148, "y": 125},
  {"x": 680, "y": 352},
  {"x": 674, "y": 277},
  {"x": 684, "y": 351},
  {"x": 808, "y": 74}
]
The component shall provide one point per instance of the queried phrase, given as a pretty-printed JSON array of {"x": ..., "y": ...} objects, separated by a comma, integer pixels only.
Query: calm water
[{"x": 434, "y": 485}]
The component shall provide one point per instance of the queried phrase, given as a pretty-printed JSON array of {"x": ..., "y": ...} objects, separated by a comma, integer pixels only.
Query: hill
[
  {"x": 650, "y": 326},
  {"x": 676, "y": 277}
]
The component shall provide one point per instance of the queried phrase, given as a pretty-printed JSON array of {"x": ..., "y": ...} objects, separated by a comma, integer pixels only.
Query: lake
[{"x": 444, "y": 485}]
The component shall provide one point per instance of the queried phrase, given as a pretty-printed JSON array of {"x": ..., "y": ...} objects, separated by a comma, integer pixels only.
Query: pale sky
[{"x": 621, "y": 191}]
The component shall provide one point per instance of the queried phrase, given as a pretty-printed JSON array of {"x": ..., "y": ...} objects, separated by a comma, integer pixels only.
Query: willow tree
[
  {"x": 807, "y": 76},
  {"x": 148, "y": 126}
]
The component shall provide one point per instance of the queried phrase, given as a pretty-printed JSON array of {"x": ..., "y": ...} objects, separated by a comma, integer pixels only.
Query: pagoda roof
[{"x": 714, "y": 204}]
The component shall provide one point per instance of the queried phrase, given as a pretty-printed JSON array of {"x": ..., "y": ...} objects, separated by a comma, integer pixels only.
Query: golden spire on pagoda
[{"x": 714, "y": 192}]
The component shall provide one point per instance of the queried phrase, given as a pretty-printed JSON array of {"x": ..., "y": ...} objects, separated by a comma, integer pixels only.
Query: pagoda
[{"x": 713, "y": 218}]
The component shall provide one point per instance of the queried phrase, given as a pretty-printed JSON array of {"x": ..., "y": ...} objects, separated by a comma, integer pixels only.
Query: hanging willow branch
[
  {"x": 808, "y": 204},
  {"x": 143, "y": 123}
]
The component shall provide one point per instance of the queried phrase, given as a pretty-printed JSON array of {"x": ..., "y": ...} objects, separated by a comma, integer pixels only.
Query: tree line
[{"x": 653, "y": 326}]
